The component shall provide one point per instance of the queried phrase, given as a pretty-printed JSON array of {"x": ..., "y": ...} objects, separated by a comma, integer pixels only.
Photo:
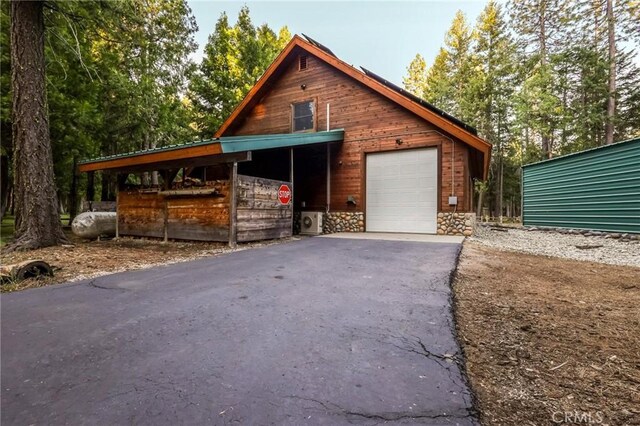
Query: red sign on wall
[{"x": 284, "y": 194}]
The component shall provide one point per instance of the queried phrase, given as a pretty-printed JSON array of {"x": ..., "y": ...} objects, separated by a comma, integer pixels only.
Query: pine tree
[
  {"x": 235, "y": 57},
  {"x": 416, "y": 79},
  {"x": 493, "y": 83},
  {"x": 540, "y": 25},
  {"x": 460, "y": 65},
  {"x": 448, "y": 82},
  {"x": 439, "y": 86},
  {"x": 37, "y": 210}
]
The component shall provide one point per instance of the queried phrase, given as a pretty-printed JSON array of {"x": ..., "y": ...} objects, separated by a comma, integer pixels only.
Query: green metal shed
[{"x": 596, "y": 189}]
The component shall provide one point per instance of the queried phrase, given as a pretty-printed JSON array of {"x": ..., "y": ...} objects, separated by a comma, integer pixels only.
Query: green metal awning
[
  {"x": 226, "y": 148},
  {"x": 232, "y": 144}
]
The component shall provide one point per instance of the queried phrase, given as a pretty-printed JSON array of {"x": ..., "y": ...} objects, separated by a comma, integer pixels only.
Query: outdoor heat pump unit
[{"x": 311, "y": 223}]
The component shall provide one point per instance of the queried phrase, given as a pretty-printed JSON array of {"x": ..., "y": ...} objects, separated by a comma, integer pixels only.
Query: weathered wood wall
[
  {"x": 372, "y": 123},
  {"x": 189, "y": 214},
  {"x": 204, "y": 215},
  {"x": 260, "y": 214},
  {"x": 140, "y": 214},
  {"x": 199, "y": 217}
]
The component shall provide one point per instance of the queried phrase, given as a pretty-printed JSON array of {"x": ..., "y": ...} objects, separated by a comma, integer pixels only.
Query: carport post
[
  {"x": 291, "y": 180},
  {"x": 233, "y": 225},
  {"x": 328, "y": 174},
  {"x": 117, "y": 198}
]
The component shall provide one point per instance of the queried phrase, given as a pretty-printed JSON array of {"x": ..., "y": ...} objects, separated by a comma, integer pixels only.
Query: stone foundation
[
  {"x": 456, "y": 223},
  {"x": 448, "y": 223},
  {"x": 342, "y": 222}
]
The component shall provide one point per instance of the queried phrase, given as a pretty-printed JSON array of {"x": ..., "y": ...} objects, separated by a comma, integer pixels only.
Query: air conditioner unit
[{"x": 311, "y": 223}]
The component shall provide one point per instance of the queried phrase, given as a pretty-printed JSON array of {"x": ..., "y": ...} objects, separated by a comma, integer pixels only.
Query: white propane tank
[{"x": 94, "y": 224}]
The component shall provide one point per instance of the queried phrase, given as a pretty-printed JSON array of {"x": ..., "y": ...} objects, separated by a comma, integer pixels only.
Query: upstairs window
[{"x": 303, "y": 116}]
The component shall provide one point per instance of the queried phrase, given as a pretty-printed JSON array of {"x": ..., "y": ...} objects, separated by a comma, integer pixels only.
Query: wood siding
[
  {"x": 140, "y": 214},
  {"x": 372, "y": 123},
  {"x": 188, "y": 216},
  {"x": 260, "y": 214},
  {"x": 202, "y": 215}
]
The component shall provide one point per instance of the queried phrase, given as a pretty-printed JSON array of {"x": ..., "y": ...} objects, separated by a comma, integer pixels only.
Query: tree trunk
[
  {"x": 611, "y": 102},
  {"x": 36, "y": 202},
  {"x": 73, "y": 193},
  {"x": 479, "y": 206},
  {"x": 4, "y": 184}
]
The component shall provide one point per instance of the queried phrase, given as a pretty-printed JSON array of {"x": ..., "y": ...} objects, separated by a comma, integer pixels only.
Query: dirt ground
[
  {"x": 85, "y": 259},
  {"x": 549, "y": 340}
]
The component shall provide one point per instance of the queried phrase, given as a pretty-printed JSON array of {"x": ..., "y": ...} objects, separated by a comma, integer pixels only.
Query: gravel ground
[{"x": 594, "y": 248}]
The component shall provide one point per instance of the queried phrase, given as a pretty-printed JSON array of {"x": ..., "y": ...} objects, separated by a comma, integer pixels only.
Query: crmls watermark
[{"x": 578, "y": 417}]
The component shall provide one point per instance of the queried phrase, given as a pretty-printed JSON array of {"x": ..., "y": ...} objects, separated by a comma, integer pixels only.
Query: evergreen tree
[
  {"x": 416, "y": 79},
  {"x": 439, "y": 85},
  {"x": 460, "y": 65},
  {"x": 492, "y": 83},
  {"x": 234, "y": 58},
  {"x": 448, "y": 80}
]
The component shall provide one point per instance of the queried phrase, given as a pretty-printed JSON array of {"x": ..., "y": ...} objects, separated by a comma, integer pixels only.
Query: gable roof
[{"x": 423, "y": 109}]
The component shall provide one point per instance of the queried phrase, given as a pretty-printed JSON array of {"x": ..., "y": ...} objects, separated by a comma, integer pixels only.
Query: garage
[{"x": 402, "y": 191}]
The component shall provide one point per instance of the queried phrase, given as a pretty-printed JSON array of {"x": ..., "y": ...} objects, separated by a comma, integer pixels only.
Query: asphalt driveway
[{"x": 316, "y": 331}]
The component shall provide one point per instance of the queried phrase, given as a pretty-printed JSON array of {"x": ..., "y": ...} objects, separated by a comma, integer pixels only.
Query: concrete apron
[{"x": 396, "y": 236}]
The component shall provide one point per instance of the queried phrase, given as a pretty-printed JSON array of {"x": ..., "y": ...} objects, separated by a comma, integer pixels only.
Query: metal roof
[
  {"x": 150, "y": 151},
  {"x": 253, "y": 143},
  {"x": 232, "y": 144}
]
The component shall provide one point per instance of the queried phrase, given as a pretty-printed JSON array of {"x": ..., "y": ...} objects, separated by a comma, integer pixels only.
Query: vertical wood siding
[{"x": 260, "y": 214}]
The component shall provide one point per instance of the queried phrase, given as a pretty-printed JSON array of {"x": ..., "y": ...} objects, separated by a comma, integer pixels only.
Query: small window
[
  {"x": 302, "y": 65},
  {"x": 303, "y": 116}
]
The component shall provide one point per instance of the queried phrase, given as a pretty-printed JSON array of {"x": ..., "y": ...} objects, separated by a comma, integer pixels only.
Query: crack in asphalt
[
  {"x": 385, "y": 416},
  {"x": 414, "y": 344},
  {"x": 93, "y": 284}
]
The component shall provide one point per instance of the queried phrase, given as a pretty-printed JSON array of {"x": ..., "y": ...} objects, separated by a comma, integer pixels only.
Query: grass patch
[
  {"x": 6, "y": 230},
  {"x": 8, "y": 224}
]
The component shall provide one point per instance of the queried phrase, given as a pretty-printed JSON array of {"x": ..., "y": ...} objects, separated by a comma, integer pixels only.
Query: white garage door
[{"x": 402, "y": 191}]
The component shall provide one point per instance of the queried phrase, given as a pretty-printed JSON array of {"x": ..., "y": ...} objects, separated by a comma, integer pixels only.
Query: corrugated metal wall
[{"x": 596, "y": 189}]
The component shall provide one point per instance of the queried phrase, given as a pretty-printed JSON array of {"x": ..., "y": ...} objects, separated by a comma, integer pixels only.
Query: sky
[{"x": 382, "y": 36}]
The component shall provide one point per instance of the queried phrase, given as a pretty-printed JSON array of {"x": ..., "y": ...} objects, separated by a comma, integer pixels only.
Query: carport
[{"x": 235, "y": 188}]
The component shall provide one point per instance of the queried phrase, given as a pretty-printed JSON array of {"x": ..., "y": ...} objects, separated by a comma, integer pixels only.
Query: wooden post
[
  {"x": 291, "y": 180},
  {"x": 117, "y": 215},
  {"x": 233, "y": 212},
  {"x": 166, "y": 221},
  {"x": 328, "y": 176}
]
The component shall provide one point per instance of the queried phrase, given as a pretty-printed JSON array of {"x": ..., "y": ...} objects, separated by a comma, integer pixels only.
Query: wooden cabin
[{"x": 352, "y": 148}]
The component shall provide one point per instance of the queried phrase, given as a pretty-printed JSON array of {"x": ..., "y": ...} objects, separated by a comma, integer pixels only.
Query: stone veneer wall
[
  {"x": 342, "y": 222},
  {"x": 456, "y": 223},
  {"x": 448, "y": 223}
]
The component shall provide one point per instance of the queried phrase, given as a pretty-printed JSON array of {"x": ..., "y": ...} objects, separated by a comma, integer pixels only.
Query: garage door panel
[{"x": 402, "y": 191}]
